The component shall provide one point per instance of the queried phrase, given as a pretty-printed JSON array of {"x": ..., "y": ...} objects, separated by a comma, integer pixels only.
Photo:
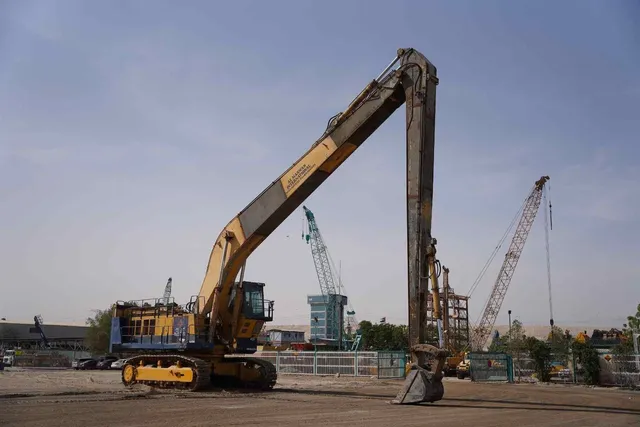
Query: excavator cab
[
  {"x": 254, "y": 313},
  {"x": 254, "y": 306}
]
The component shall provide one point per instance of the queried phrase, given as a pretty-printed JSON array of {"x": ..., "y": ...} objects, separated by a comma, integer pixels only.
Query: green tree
[
  {"x": 632, "y": 326},
  {"x": 587, "y": 356},
  {"x": 383, "y": 336},
  {"x": 365, "y": 327},
  {"x": 99, "y": 332},
  {"x": 560, "y": 343},
  {"x": 633, "y": 322},
  {"x": 511, "y": 342},
  {"x": 540, "y": 352}
]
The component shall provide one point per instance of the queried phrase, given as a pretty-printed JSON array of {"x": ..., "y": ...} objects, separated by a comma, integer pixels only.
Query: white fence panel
[{"x": 345, "y": 363}]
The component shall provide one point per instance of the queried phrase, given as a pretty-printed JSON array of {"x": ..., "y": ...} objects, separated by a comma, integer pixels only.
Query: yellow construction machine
[{"x": 208, "y": 339}]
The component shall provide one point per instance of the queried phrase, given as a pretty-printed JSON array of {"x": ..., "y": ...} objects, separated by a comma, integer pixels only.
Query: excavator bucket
[
  {"x": 423, "y": 385},
  {"x": 420, "y": 386}
]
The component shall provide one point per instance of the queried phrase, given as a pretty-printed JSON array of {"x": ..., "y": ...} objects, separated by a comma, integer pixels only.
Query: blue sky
[{"x": 131, "y": 132}]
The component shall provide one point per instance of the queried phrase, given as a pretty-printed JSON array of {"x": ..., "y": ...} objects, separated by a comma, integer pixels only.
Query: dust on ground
[{"x": 97, "y": 398}]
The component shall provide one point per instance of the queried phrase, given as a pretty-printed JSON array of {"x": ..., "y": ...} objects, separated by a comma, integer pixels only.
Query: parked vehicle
[
  {"x": 84, "y": 363},
  {"x": 9, "y": 358},
  {"x": 463, "y": 368},
  {"x": 118, "y": 364},
  {"x": 105, "y": 362}
]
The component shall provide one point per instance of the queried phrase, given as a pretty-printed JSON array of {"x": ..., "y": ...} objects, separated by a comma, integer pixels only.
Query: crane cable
[
  {"x": 497, "y": 248},
  {"x": 548, "y": 225}
]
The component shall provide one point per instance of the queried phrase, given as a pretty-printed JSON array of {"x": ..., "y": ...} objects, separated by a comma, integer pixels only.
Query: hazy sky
[{"x": 131, "y": 132}]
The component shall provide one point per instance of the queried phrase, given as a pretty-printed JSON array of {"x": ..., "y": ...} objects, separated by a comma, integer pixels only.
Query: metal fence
[
  {"x": 491, "y": 367},
  {"x": 524, "y": 370},
  {"x": 623, "y": 371},
  {"x": 50, "y": 359},
  {"x": 386, "y": 364}
]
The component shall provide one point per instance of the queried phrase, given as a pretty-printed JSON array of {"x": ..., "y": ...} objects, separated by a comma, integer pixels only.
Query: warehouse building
[{"x": 24, "y": 335}]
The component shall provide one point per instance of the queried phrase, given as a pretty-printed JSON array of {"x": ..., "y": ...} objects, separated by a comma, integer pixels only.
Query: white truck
[{"x": 9, "y": 358}]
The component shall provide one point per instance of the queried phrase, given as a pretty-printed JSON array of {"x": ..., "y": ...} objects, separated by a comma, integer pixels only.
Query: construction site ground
[{"x": 47, "y": 397}]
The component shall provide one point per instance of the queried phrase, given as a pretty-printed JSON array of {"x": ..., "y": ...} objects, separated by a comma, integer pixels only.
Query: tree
[
  {"x": 512, "y": 342},
  {"x": 99, "y": 332},
  {"x": 560, "y": 343},
  {"x": 383, "y": 336},
  {"x": 632, "y": 326},
  {"x": 365, "y": 333},
  {"x": 540, "y": 352},
  {"x": 633, "y": 322},
  {"x": 587, "y": 356}
]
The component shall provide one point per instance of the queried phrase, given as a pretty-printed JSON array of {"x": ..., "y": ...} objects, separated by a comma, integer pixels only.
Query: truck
[{"x": 9, "y": 358}]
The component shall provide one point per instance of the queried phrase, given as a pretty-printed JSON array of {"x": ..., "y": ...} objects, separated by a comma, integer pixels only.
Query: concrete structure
[
  {"x": 321, "y": 327},
  {"x": 23, "y": 335}
]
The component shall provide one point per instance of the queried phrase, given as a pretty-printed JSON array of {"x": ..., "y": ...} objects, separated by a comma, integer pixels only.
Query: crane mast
[
  {"x": 167, "y": 292},
  {"x": 491, "y": 309},
  {"x": 322, "y": 264},
  {"x": 37, "y": 321}
]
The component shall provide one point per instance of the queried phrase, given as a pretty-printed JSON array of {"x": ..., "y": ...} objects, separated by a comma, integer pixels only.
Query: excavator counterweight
[{"x": 207, "y": 338}]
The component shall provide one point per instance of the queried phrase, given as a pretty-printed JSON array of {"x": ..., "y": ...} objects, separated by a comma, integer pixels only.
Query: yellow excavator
[{"x": 208, "y": 340}]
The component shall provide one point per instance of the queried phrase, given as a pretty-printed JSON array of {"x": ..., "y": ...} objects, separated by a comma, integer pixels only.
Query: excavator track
[
  {"x": 268, "y": 377},
  {"x": 201, "y": 371}
]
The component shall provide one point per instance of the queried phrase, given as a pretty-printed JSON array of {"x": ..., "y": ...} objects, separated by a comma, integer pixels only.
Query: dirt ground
[{"x": 97, "y": 398}]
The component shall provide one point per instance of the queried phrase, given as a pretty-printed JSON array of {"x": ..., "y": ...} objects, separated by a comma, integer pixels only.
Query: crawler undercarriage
[{"x": 197, "y": 373}]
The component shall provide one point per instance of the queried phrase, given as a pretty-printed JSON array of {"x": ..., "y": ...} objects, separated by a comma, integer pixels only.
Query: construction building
[
  {"x": 322, "y": 326},
  {"x": 455, "y": 326}
]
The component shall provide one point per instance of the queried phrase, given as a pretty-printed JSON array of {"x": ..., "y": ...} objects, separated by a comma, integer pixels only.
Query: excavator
[{"x": 210, "y": 339}]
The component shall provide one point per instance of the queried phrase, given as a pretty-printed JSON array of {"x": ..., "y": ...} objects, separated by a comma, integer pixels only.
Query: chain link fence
[
  {"x": 615, "y": 370},
  {"x": 42, "y": 359},
  {"x": 490, "y": 367},
  {"x": 561, "y": 370},
  {"x": 356, "y": 364},
  {"x": 620, "y": 370}
]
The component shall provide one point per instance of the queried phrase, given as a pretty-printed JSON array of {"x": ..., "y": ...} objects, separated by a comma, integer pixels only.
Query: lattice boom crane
[
  {"x": 325, "y": 277},
  {"x": 491, "y": 309}
]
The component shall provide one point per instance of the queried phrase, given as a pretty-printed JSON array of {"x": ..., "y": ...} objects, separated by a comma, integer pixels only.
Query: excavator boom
[{"x": 413, "y": 82}]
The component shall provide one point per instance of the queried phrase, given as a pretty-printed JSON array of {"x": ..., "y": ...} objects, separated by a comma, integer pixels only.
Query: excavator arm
[{"x": 413, "y": 82}]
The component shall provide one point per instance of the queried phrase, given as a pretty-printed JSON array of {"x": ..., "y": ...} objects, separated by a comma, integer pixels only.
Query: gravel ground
[{"x": 97, "y": 398}]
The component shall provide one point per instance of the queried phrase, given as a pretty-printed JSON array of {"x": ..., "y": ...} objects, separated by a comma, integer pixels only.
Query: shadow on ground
[{"x": 481, "y": 403}]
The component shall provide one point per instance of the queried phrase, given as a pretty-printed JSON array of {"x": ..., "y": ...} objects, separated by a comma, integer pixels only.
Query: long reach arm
[{"x": 413, "y": 82}]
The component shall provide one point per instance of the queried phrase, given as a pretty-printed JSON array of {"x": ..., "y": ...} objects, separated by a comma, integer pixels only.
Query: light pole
[
  {"x": 315, "y": 336},
  {"x": 509, "y": 325}
]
